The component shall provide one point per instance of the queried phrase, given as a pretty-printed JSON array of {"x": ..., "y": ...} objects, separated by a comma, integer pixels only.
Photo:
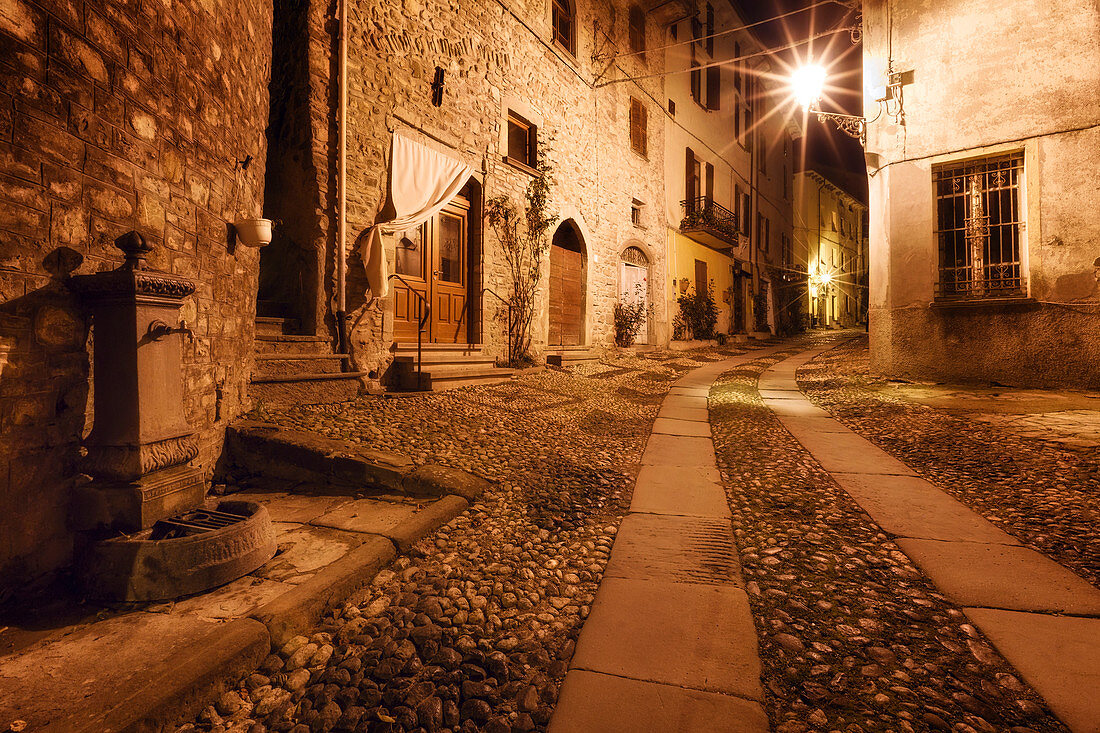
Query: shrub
[
  {"x": 697, "y": 317},
  {"x": 629, "y": 318}
]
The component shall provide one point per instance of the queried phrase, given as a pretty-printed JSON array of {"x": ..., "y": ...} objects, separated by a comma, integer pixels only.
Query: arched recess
[
  {"x": 440, "y": 263},
  {"x": 568, "y": 286},
  {"x": 634, "y": 285}
]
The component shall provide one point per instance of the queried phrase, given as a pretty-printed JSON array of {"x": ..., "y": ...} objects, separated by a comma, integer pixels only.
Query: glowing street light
[{"x": 808, "y": 82}]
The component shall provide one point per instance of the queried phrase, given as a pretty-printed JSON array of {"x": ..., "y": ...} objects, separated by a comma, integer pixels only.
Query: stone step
[
  {"x": 442, "y": 357},
  {"x": 283, "y": 365},
  {"x": 305, "y": 389},
  {"x": 443, "y": 377},
  {"x": 275, "y": 325},
  {"x": 569, "y": 355},
  {"x": 276, "y": 343}
]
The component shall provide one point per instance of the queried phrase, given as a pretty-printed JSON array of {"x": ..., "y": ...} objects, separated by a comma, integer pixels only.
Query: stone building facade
[
  {"x": 984, "y": 230},
  {"x": 830, "y": 245},
  {"x": 116, "y": 116},
  {"x": 177, "y": 121},
  {"x": 728, "y": 169}
]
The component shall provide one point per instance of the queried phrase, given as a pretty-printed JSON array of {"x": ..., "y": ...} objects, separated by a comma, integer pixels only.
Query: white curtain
[{"x": 422, "y": 181}]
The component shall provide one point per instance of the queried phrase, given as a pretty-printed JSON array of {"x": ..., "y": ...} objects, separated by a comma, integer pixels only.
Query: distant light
[
  {"x": 807, "y": 83},
  {"x": 826, "y": 277}
]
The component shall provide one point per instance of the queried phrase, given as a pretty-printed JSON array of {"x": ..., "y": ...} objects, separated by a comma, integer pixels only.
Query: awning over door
[{"x": 422, "y": 181}]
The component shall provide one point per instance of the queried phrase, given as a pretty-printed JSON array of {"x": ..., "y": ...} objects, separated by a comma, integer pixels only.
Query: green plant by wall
[
  {"x": 524, "y": 241},
  {"x": 698, "y": 315},
  {"x": 629, "y": 318}
]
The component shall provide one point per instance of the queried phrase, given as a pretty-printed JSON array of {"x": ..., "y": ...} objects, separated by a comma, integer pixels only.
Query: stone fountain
[{"x": 148, "y": 532}]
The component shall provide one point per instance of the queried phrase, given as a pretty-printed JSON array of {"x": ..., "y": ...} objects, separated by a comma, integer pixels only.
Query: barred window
[{"x": 979, "y": 227}]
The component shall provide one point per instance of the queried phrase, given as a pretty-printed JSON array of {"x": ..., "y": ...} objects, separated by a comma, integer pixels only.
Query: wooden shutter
[
  {"x": 689, "y": 179},
  {"x": 710, "y": 181},
  {"x": 710, "y": 30},
  {"x": 638, "y": 127},
  {"x": 701, "y": 284},
  {"x": 714, "y": 87}
]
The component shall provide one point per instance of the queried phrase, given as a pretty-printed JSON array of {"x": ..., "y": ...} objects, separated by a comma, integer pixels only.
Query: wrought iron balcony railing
[{"x": 703, "y": 216}]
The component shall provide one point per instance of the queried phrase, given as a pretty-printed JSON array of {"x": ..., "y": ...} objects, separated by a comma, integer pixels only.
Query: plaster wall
[
  {"x": 1032, "y": 85},
  {"x": 114, "y": 116}
]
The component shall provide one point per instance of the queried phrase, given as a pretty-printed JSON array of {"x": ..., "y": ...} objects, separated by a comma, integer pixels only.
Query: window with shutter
[
  {"x": 636, "y": 29},
  {"x": 691, "y": 179},
  {"x": 714, "y": 87},
  {"x": 562, "y": 18},
  {"x": 710, "y": 30},
  {"x": 696, "y": 83},
  {"x": 522, "y": 137},
  {"x": 639, "y": 133},
  {"x": 709, "y": 193}
]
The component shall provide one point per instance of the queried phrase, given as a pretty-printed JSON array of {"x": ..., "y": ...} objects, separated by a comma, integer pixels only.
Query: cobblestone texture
[
  {"x": 1040, "y": 488},
  {"x": 852, "y": 636},
  {"x": 475, "y": 628}
]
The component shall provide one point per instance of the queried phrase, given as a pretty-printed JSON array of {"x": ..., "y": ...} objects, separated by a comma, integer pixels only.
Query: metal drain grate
[{"x": 194, "y": 522}]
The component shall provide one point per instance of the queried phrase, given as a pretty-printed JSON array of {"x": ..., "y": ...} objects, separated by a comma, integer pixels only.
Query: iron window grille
[{"x": 979, "y": 228}]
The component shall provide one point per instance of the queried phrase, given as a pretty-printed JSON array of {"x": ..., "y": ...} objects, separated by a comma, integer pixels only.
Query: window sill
[
  {"x": 521, "y": 166},
  {"x": 641, "y": 155},
  {"x": 970, "y": 304}
]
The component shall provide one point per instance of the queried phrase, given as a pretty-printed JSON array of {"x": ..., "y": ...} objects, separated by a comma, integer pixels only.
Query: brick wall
[{"x": 117, "y": 115}]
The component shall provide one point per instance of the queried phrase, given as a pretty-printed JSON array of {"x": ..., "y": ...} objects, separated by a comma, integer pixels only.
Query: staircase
[
  {"x": 564, "y": 356},
  {"x": 444, "y": 366},
  {"x": 298, "y": 370}
]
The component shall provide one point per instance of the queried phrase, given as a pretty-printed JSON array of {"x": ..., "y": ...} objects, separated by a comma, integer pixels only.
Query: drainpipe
[{"x": 341, "y": 186}]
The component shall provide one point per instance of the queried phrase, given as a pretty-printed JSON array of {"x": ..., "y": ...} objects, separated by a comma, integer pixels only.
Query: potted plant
[{"x": 251, "y": 232}]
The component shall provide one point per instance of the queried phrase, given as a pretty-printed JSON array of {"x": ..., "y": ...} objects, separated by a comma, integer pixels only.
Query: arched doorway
[
  {"x": 439, "y": 263},
  {"x": 567, "y": 286},
  {"x": 634, "y": 285}
]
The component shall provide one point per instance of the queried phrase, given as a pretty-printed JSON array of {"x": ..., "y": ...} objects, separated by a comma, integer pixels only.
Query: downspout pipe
[{"x": 341, "y": 186}]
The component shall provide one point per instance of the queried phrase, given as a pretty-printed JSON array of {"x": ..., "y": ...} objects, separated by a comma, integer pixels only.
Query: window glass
[
  {"x": 520, "y": 141},
  {"x": 563, "y": 24},
  {"x": 410, "y": 252},
  {"x": 450, "y": 248}
]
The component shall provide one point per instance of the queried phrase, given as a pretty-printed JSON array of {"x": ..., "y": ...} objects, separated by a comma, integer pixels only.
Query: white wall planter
[{"x": 253, "y": 232}]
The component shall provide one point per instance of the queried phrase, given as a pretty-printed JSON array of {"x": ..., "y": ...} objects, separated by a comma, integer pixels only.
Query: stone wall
[
  {"x": 968, "y": 100},
  {"x": 117, "y": 115},
  {"x": 496, "y": 57}
]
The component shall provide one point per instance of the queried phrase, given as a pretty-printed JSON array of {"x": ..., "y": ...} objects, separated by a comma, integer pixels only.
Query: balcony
[{"x": 709, "y": 223}]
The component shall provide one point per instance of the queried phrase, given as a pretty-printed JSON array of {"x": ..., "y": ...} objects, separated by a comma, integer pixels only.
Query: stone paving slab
[
  {"x": 909, "y": 506},
  {"x": 684, "y": 634},
  {"x": 590, "y": 702},
  {"x": 850, "y": 453},
  {"x": 367, "y": 515},
  {"x": 1059, "y": 656},
  {"x": 691, "y": 491},
  {"x": 781, "y": 394},
  {"x": 676, "y": 549},
  {"x": 690, "y": 391},
  {"x": 794, "y": 408},
  {"x": 797, "y": 425},
  {"x": 678, "y": 401},
  {"x": 673, "y": 426},
  {"x": 1002, "y": 576},
  {"x": 699, "y": 414},
  {"x": 678, "y": 450}
]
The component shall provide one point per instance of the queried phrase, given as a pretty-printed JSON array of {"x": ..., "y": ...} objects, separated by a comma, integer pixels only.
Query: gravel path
[
  {"x": 1043, "y": 492},
  {"x": 852, "y": 636},
  {"x": 473, "y": 630}
]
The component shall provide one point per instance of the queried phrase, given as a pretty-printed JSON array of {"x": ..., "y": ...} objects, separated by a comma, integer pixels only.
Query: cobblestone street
[{"x": 475, "y": 628}]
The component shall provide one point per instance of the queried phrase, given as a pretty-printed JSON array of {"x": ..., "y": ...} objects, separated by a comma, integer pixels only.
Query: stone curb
[
  {"x": 297, "y": 609},
  {"x": 188, "y": 679},
  {"x": 266, "y": 450},
  {"x": 185, "y": 683}
]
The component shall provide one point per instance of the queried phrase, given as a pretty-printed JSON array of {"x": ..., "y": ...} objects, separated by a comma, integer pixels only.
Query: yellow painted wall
[{"x": 682, "y": 254}]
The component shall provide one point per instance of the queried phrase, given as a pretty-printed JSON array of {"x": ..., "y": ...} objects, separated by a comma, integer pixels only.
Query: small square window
[
  {"x": 522, "y": 139},
  {"x": 672, "y": 108}
]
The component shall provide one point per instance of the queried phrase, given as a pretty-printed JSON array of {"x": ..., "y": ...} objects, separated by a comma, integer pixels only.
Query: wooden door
[
  {"x": 411, "y": 263},
  {"x": 434, "y": 260},
  {"x": 702, "y": 285},
  {"x": 566, "y": 297},
  {"x": 449, "y": 293},
  {"x": 635, "y": 288}
]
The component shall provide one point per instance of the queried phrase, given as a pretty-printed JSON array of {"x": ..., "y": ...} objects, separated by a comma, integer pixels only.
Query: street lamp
[{"x": 808, "y": 83}]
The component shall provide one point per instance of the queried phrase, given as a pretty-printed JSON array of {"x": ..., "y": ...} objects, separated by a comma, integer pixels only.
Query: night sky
[{"x": 824, "y": 146}]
